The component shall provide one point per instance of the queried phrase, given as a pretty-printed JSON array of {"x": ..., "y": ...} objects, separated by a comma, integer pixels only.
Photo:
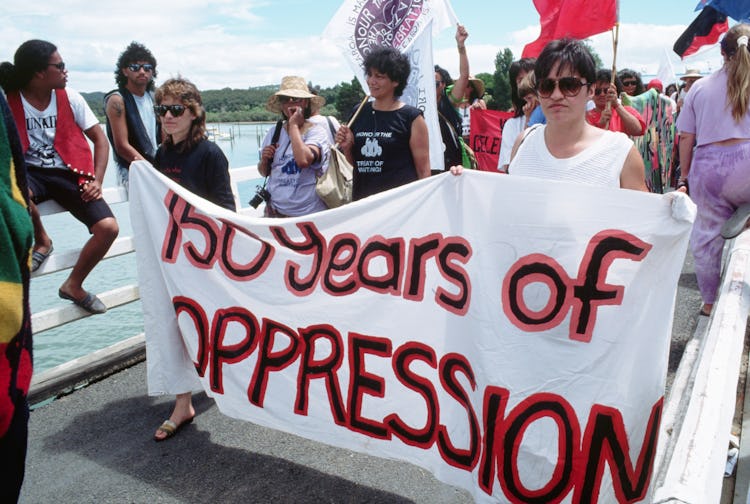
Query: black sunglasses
[
  {"x": 290, "y": 99},
  {"x": 629, "y": 82},
  {"x": 437, "y": 83},
  {"x": 60, "y": 66},
  {"x": 176, "y": 110},
  {"x": 599, "y": 91},
  {"x": 134, "y": 67},
  {"x": 569, "y": 86}
]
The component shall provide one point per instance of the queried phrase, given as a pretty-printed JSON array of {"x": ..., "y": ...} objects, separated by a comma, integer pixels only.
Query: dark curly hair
[
  {"x": 134, "y": 53},
  {"x": 627, "y": 73},
  {"x": 391, "y": 62},
  {"x": 32, "y": 56}
]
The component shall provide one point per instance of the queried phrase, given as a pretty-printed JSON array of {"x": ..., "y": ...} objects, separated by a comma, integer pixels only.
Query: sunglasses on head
[
  {"x": 629, "y": 82},
  {"x": 569, "y": 86},
  {"x": 147, "y": 67},
  {"x": 176, "y": 110},
  {"x": 60, "y": 66}
]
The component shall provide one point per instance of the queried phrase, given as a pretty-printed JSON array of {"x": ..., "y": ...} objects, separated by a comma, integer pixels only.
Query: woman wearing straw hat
[
  {"x": 300, "y": 155},
  {"x": 387, "y": 143},
  {"x": 716, "y": 119}
]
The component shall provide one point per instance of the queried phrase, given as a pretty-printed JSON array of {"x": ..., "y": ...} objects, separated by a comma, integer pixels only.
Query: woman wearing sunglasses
[
  {"x": 568, "y": 147},
  {"x": 631, "y": 82},
  {"x": 186, "y": 155},
  {"x": 199, "y": 165},
  {"x": 616, "y": 116},
  {"x": 299, "y": 154}
]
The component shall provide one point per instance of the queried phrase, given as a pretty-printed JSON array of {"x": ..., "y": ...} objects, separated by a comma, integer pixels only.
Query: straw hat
[
  {"x": 478, "y": 85},
  {"x": 691, "y": 73},
  {"x": 295, "y": 87}
]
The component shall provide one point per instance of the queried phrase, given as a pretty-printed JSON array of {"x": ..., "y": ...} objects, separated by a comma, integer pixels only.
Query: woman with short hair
[
  {"x": 388, "y": 142},
  {"x": 568, "y": 147}
]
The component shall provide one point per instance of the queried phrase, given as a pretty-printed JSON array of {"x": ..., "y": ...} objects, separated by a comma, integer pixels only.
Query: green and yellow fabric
[{"x": 16, "y": 235}]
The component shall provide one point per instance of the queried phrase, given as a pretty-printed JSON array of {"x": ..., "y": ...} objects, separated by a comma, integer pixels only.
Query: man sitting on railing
[
  {"x": 51, "y": 122},
  {"x": 132, "y": 127}
]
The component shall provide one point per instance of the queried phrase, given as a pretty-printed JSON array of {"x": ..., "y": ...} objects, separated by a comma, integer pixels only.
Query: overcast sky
[{"x": 241, "y": 43}]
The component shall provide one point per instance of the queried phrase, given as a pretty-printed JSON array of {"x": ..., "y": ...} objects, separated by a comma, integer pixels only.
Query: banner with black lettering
[
  {"x": 486, "y": 135},
  {"x": 522, "y": 358}
]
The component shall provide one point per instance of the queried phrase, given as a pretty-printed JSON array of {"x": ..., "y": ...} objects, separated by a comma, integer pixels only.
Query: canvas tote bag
[{"x": 335, "y": 185}]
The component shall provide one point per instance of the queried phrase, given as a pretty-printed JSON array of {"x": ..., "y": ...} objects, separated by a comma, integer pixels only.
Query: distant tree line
[{"x": 249, "y": 105}]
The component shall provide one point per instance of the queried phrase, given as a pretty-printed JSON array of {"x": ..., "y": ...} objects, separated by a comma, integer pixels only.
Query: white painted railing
[
  {"x": 106, "y": 361},
  {"x": 699, "y": 411}
]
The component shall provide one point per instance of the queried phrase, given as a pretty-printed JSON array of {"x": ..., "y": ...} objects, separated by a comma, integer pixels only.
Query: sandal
[
  {"x": 170, "y": 429},
  {"x": 90, "y": 302},
  {"x": 38, "y": 258}
]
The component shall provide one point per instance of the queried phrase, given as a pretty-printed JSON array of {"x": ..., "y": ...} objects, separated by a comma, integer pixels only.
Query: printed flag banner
[
  {"x": 406, "y": 25},
  {"x": 486, "y": 134},
  {"x": 657, "y": 146},
  {"x": 704, "y": 30},
  {"x": 578, "y": 19},
  {"x": 522, "y": 359}
]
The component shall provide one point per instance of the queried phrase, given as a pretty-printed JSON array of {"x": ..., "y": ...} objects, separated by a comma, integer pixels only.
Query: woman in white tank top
[{"x": 567, "y": 147}]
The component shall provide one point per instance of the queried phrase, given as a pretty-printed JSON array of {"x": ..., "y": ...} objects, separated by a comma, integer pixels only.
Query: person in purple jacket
[{"x": 716, "y": 172}]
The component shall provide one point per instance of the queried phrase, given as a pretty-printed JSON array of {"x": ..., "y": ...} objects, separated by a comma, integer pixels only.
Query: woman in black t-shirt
[
  {"x": 388, "y": 142},
  {"x": 197, "y": 164}
]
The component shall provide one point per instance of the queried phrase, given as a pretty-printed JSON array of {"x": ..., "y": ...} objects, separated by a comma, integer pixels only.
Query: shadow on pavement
[{"x": 105, "y": 453}]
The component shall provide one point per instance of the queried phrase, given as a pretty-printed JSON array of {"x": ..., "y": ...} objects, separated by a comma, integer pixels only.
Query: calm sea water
[{"x": 240, "y": 143}]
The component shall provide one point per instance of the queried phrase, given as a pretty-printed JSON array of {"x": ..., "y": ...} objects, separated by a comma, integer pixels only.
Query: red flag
[
  {"x": 704, "y": 30},
  {"x": 578, "y": 19}
]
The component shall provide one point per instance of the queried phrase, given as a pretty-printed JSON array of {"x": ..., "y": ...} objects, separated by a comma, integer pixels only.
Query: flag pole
[{"x": 615, "y": 39}]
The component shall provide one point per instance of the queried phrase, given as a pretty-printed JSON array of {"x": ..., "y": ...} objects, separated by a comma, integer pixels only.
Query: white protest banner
[
  {"x": 510, "y": 335},
  {"x": 406, "y": 25}
]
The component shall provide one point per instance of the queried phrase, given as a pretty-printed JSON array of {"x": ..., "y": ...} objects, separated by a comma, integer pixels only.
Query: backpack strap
[{"x": 277, "y": 132}]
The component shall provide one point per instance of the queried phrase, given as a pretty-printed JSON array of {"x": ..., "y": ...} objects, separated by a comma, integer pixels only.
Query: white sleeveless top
[{"x": 600, "y": 164}]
